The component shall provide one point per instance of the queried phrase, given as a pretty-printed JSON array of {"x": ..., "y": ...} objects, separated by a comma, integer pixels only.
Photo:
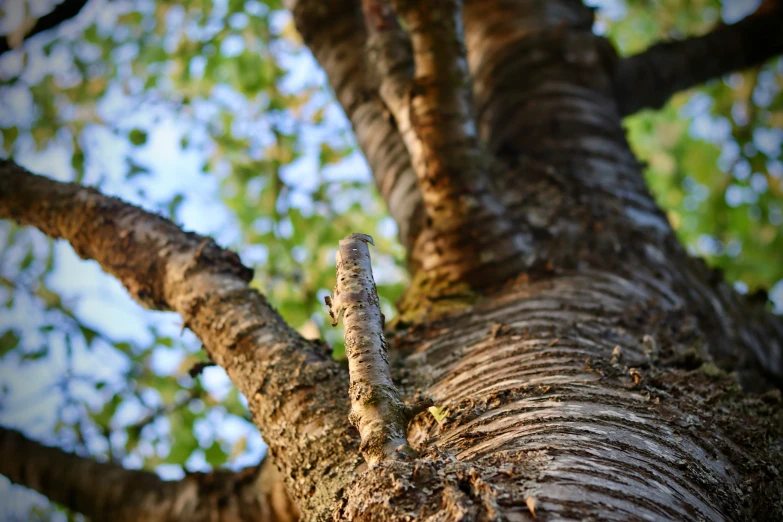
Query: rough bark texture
[
  {"x": 430, "y": 99},
  {"x": 294, "y": 389},
  {"x": 612, "y": 379},
  {"x": 334, "y": 30},
  {"x": 108, "y": 492},
  {"x": 376, "y": 409}
]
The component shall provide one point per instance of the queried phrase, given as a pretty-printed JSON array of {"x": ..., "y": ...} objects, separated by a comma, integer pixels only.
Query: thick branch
[
  {"x": 647, "y": 80},
  {"x": 424, "y": 82},
  {"x": 106, "y": 491},
  {"x": 376, "y": 408},
  {"x": 389, "y": 52},
  {"x": 440, "y": 112},
  {"x": 63, "y": 12},
  {"x": 335, "y": 33},
  {"x": 288, "y": 381}
]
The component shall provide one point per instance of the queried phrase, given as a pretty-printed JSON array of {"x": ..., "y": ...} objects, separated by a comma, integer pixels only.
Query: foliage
[
  {"x": 714, "y": 154},
  {"x": 212, "y": 113}
]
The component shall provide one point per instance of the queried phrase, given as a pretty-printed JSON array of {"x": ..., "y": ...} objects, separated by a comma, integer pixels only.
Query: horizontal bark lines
[
  {"x": 553, "y": 383},
  {"x": 545, "y": 98}
]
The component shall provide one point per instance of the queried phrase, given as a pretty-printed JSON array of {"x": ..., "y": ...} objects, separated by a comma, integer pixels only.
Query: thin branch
[
  {"x": 433, "y": 106},
  {"x": 61, "y": 13},
  {"x": 107, "y": 491},
  {"x": 389, "y": 51},
  {"x": 287, "y": 380},
  {"x": 335, "y": 33},
  {"x": 199, "y": 367},
  {"x": 376, "y": 408},
  {"x": 647, "y": 80}
]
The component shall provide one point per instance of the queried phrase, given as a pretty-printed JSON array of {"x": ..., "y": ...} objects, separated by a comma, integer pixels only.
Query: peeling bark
[
  {"x": 647, "y": 80},
  {"x": 107, "y": 492}
]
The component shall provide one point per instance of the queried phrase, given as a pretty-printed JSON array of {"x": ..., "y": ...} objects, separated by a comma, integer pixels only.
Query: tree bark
[
  {"x": 289, "y": 382},
  {"x": 107, "y": 492},
  {"x": 335, "y": 33},
  {"x": 610, "y": 379}
]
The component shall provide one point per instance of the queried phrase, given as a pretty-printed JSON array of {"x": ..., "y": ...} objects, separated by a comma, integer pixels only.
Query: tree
[{"x": 557, "y": 353}]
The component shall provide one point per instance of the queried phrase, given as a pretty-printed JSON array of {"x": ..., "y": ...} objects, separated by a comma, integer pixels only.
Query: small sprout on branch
[
  {"x": 531, "y": 505},
  {"x": 650, "y": 349},
  {"x": 439, "y": 413},
  {"x": 617, "y": 356}
]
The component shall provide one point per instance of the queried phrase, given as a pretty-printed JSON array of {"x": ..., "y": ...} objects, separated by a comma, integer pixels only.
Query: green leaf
[
  {"x": 438, "y": 413},
  {"x": 137, "y": 137},
  {"x": 8, "y": 341},
  {"x": 36, "y": 355},
  {"x": 89, "y": 334},
  {"x": 215, "y": 455},
  {"x": 9, "y": 137},
  {"x": 174, "y": 204},
  {"x": 29, "y": 257},
  {"x": 134, "y": 169}
]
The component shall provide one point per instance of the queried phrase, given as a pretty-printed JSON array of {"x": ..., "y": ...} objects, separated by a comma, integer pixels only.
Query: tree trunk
[
  {"x": 593, "y": 386},
  {"x": 609, "y": 379}
]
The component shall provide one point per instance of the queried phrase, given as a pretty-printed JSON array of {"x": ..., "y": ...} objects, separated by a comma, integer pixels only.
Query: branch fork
[{"x": 424, "y": 82}]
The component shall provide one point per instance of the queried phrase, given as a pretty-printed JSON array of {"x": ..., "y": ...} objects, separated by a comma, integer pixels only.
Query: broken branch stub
[{"x": 376, "y": 408}]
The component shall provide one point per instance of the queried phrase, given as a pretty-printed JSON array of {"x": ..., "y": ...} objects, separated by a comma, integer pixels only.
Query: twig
[
  {"x": 376, "y": 408},
  {"x": 197, "y": 368}
]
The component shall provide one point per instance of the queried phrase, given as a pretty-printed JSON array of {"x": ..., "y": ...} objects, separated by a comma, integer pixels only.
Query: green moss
[
  {"x": 711, "y": 370},
  {"x": 431, "y": 295}
]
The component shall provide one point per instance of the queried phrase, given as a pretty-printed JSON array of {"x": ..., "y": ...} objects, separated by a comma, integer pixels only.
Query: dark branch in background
[
  {"x": 647, "y": 80},
  {"x": 63, "y": 12},
  {"x": 108, "y": 492},
  {"x": 197, "y": 368},
  {"x": 286, "y": 379}
]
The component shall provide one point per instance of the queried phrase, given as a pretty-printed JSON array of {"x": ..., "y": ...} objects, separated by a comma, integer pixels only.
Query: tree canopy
[{"x": 214, "y": 114}]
